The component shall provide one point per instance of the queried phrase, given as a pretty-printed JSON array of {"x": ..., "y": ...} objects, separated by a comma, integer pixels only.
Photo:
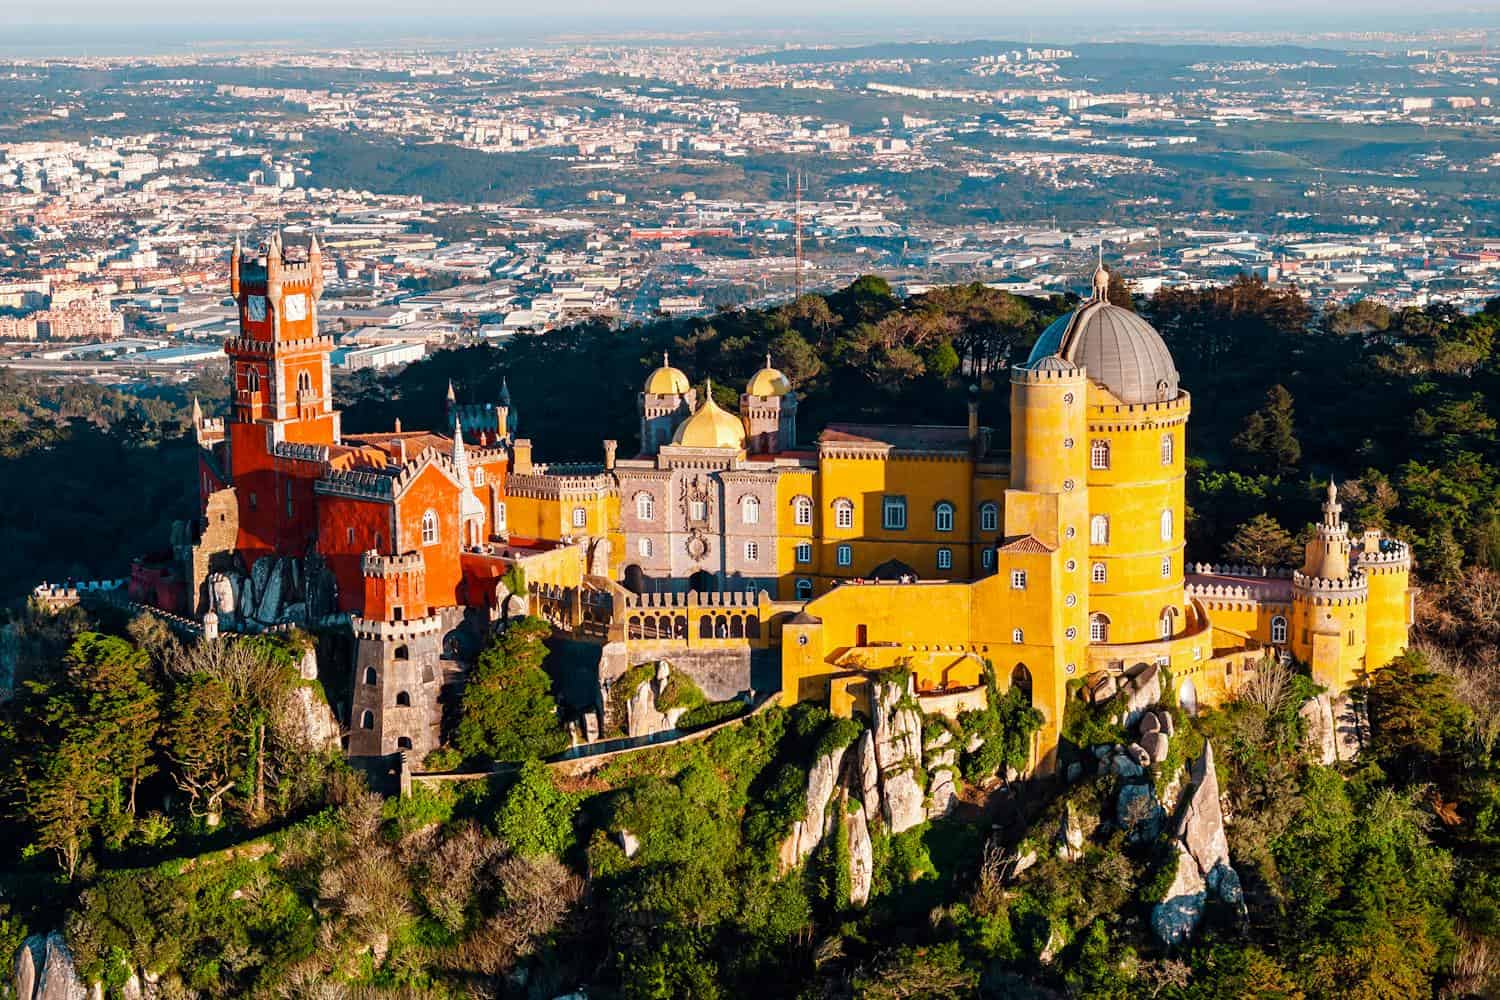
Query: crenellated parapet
[
  {"x": 1132, "y": 416},
  {"x": 1391, "y": 557},
  {"x": 373, "y": 564},
  {"x": 395, "y": 631},
  {"x": 1236, "y": 569},
  {"x": 317, "y": 454},
  {"x": 251, "y": 347},
  {"x": 1353, "y": 589}
]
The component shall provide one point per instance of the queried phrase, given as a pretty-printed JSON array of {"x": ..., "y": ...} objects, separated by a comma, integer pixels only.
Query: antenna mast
[{"x": 797, "y": 238}]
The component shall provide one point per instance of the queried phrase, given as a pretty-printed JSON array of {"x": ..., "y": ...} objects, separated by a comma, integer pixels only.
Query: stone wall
[{"x": 721, "y": 674}]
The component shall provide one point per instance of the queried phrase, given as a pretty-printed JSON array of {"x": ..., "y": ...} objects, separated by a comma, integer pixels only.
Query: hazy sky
[{"x": 1356, "y": 13}]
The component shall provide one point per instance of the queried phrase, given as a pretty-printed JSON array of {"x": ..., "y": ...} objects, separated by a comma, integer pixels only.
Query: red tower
[{"x": 282, "y": 419}]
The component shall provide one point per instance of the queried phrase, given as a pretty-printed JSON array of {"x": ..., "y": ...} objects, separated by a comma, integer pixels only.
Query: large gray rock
[
  {"x": 1176, "y": 915},
  {"x": 269, "y": 608},
  {"x": 1201, "y": 829},
  {"x": 28, "y": 959},
  {"x": 1141, "y": 692},
  {"x": 942, "y": 785},
  {"x": 861, "y": 855},
  {"x": 808, "y": 831},
  {"x": 642, "y": 717},
  {"x": 1322, "y": 736},
  {"x": 1069, "y": 835},
  {"x": 1155, "y": 744},
  {"x": 898, "y": 752},
  {"x": 57, "y": 978},
  {"x": 1138, "y": 812},
  {"x": 867, "y": 775},
  {"x": 1349, "y": 727}
]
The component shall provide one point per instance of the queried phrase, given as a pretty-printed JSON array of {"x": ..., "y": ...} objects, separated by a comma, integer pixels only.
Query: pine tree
[
  {"x": 1261, "y": 541},
  {"x": 1269, "y": 437},
  {"x": 508, "y": 710}
]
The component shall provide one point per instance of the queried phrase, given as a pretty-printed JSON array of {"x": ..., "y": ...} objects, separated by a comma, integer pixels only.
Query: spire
[
  {"x": 666, "y": 362},
  {"x": 460, "y": 456},
  {"x": 768, "y": 359},
  {"x": 504, "y": 391},
  {"x": 197, "y": 412},
  {"x": 1101, "y": 279},
  {"x": 452, "y": 396}
]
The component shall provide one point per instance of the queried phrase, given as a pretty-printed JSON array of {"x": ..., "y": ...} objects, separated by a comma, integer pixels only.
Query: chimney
[
  {"x": 974, "y": 418},
  {"x": 609, "y": 454},
  {"x": 398, "y": 425},
  {"x": 520, "y": 452}
]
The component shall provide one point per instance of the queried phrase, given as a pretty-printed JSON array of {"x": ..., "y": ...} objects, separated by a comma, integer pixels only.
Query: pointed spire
[
  {"x": 314, "y": 249},
  {"x": 197, "y": 412},
  {"x": 768, "y": 359},
  {"x": 452, "y": 396},
  {"x": 504, "y": 391},
  {"x": 666, "y": 362},
  {"x": 460, "y": 456}
]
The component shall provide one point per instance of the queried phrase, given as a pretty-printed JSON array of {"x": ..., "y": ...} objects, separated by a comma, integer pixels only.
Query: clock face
[
  {"x": 295, "y": 306},
  {"x": 256, "y": 307}
]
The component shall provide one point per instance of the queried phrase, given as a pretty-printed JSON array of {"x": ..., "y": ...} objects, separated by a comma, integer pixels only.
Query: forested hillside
[{"x": 179, "y": 816}]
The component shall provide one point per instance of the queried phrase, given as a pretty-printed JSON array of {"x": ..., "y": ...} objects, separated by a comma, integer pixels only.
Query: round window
[
  {"x": 802, "y": 640},
  {"x": 1071, "y": 600},
  {"x": 1072, "y": 668},
  {"x": 1071, "y": 633},
  {"x": 1067, "y": 397},
  {"x": 1067, "y": 442}
]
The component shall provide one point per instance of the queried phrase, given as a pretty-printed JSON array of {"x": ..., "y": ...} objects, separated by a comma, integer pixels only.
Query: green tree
[
  {"x": 1269, "y": 436},
  {"x": 536, "y": 816},
  {"x": 200, "y": 739},
  {"x": 508, "y": 709},
  {"x": 1261, "y": 541}
]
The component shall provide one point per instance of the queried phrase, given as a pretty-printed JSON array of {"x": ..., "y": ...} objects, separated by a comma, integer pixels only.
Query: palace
[{"x": 752, "y": 562}]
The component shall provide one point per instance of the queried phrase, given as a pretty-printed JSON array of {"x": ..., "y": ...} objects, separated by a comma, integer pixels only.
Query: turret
[{"x": 666, "y": 400}]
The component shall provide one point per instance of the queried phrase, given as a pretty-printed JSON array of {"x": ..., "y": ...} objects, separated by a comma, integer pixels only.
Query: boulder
[
  {"x": 808, "y": 831},
  {"x": 312, "y": 721},
  {"x": 131, "y": 988},
  {"x": 56, "y": 977},
  {"x": 867, "y": 775},
  {"x": 1138, "y": 812},
  {"x": 1168, "y": 724},
  {"x": 861, "y": 855},
  {"x": 1101, "y": 687},
  {"x": 1321, "y": 735},
  {"x": 641, "y": 715},
  {"x": 1074, "y": 772},
  {"x": 1176, "y": 915},
  {"x": 901, "y": 799},
  {"x": 1138, "y": 753},
  {"x": 28, "y": 958},
  {"x": 1201, "y": 829},
  {"x": 1155, "y": 744},
  {"x": 1069, "y": 835},
  {"x": 1150, "y": 723},
  {"x": 898, "y": 752},
  {"x": 268, "y": 609},
  {"x": 1125, "y": 766},
  {"x": 629, "y": 843},
  {"x": 975, "y": 742},
  {"x": 1142, "y": 691},
  {"x": 1349, "y": 727},
  {"x": 941, "y": 794}
]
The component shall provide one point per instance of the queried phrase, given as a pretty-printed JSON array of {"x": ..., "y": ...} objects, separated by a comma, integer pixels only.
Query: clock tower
[{"x": 282, "y": 419}]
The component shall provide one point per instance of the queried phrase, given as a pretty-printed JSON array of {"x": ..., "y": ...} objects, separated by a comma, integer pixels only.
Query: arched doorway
[
  {"x": 1187, "y": 697},
  {"x": 703, "y": 582},
  {"x": 635, "y": 579},
  {"x": 1020, "y": 679}
]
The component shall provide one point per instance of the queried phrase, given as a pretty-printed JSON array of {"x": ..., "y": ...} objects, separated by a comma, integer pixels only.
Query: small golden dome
[
  {"x": 768, "y": 382},
  {"x": 711, "y": 427},
  {"x": 666, "y": 380}
]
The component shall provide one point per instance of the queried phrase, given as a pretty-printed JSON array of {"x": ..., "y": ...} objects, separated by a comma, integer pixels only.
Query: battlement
[
  {"x": 1022, "y": 375},
  {"x": 62, "y": 595},
  {"x": 270, "y": 267},
  {"x": 1354, "y": 589},
  {"x": 411, "y": 628},
  {"x": 315, "y": 453},
  {"x": 1391, "y": 557},
  {"x": 250, "y": 347},
  {"x": 365, "y": 484},
  {"x": 694, "y": 599},
  {"x": 372, "y": 563},
  {"x": 1219, "y": 592},
  {"x": 1178, "y": 406},
  {"x": 1234, "y": 569}
]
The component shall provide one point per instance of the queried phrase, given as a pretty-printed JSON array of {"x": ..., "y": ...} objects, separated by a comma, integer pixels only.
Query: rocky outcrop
[
  {"x": 942, "y": 769},
  {"x": 1142, "y": 690},
  {"x": 898, "y": 752},
  {"x": 809, "y": 831},
  {"x": 1069, "y": 834},
  {"x": 1138, "y": 812},
  {"x": 44, "y": 970},
  {"x": 866, "y": 775},
  {"x": 1203, "y": 867},
  {"x": 1321, "y": 735},
  {"x": 861, "y": 855},
  {"x": 642, "y": 717}
]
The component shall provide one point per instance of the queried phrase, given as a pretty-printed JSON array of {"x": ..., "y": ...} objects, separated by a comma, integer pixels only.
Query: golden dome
[
  {"x": 666, "y": 380},
  {"x": 711, "y": 427},
  {"x": 768, "y": 382}
]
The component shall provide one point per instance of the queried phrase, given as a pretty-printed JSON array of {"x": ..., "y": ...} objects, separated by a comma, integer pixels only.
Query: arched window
[
  {"x": 750, "y": 510},
  {"x": 1098, "y": 628},
  {"x": 843, "y": 513},
  {"x": 944, "y": 558},
  {"x": 304, "y": 382},
  {"x": 370, "y": 675},
  {"x": 1099, "y": 574},
  {"x": 1016, "y": 635},
  {"x": 429, "y": 528},
  {"x": 1099, "y": 530},
  {"x": 1165, "y": 622},
  {"x": 989, "y": 517},
  {"x": 367, "y": 721},
  {"x": 580, "y": 517},
  {"x": 252, "y": 380},
  {"x": 645, "y": 506},
  {"x": 478, "y": 475},
  {"x": 403, "y": 698},
  {"x": 1278, "y": 629},
  {"x": 1166, "y": 525},
  {"x": 802, "y": 510},
  {"x": 1166, "y": 449},
  {"x": 403, "y": 743},
  {"x": 844, "y": 555},
  {"x": 1166, "y": 567},
  {"x": 804, "y": 589},
  {"x": 1020, "y": 680},
  {"x": 706, "y": 627},
  {"x": 402, "y": 653},
  {"x": 643, "y": 548},
  {"x": 500, "y": 516},
  {"x": 1098, "y": 454},
  {"x": 752, "y": 551},
  {"x": 942, "y": 516}
]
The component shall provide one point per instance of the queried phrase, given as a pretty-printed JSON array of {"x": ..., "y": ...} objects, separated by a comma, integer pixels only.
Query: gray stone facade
[{"x": 399, "y": 673}]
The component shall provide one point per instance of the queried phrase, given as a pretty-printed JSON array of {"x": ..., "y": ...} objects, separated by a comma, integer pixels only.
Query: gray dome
[
  {"x": 1049, "y": 363},
  {"x": 1118, "y": 348}
]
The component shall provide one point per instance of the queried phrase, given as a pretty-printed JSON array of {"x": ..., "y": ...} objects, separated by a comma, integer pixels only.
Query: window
[
  {"x": 403, "y": 652},
  {"x": 403, "y": 699},
  {"x": 500, "y": 515},
  {"x": 1099, "y": 530},
  {"x": 403, "y": 743},
  {"x": 987, "y": 558},
  {"x": 1278, "y": 629},
  {"x": 429, "y": 528},
  {"x": 843, "y": 513},
  {"x": 1070, "y": 600},
  {"x": 289, "y": 500},
  {"x": 893, "y": 514},
  {"x": 1018, "y": 579},
  {"x": 645, "y": 507},
  {"x": 844, "y": 555},
  {"x": 942, "y": 516},
  {"x": 1016, "y": 635},
  {"x": 945, "y": 558},
  {"x": 804, "y": 589},
  {"x": 304, "y": 382},
  {"x": 1098, "y": 628},
  {"x": 1166, "y": 525},
  {"x": 580, "y": 517},
  {"x": 370, "y": 675},
  {"x": 698, "y": 510},
  {"x": 643, "y": 548},
  {"x": 804, "y": 552},
  {"x": 802, "y": 510},
  {"x": 367, "y": 720},
  {"x": 252, "y": 501},
  {"x": 1099, "y": 454},
  {"x": 989, "y": 517},
  {"x": 750, "y": 510},
  {"x": 1166, "y": 566},
  {"x": 479, "y": 475},
  {"x": 752, "y": 551},
  {"x": 349, "y": 536},
  {"x": 252, "y": 380},
  {"x": 1166, "y": 449},
  {"x": 1165, "y": 622},
  {"x": 1099, "y": 574}
]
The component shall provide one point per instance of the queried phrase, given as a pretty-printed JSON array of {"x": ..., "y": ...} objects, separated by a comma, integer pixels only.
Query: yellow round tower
[
  {"x": 1330, "y": 601},
  {"x": 1386, "y": 564}
]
